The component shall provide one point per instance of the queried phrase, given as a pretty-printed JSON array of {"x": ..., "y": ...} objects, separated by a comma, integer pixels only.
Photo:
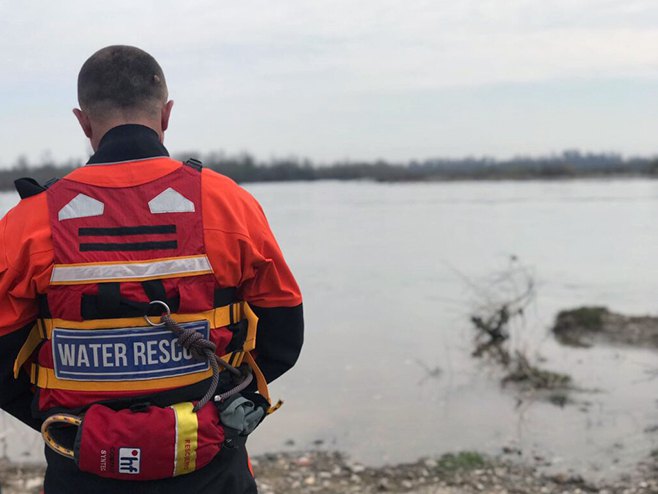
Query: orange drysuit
[{"x": 243, "y": 255}]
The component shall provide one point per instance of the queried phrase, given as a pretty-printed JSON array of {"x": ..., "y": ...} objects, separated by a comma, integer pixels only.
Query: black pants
[{"x": 227, "y": 473}]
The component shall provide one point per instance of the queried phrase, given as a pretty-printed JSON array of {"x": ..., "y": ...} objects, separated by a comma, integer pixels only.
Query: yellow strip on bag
[{"x": 186, "y": 438}]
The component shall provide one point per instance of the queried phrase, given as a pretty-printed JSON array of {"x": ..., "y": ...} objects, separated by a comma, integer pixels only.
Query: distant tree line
[{"x": 245, "y": 168}]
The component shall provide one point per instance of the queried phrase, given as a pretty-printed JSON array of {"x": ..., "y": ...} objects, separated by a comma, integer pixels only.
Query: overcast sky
[{"x": 358, "y": 79}]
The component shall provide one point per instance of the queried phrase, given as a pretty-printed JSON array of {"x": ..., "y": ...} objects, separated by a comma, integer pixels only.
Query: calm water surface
[{"x": 382, "y": 270}]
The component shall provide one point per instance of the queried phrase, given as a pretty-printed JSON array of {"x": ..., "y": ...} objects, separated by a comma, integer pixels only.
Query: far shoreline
[
  {"x": 245, "y": 168},
  {"x": 9, "y": 187}
]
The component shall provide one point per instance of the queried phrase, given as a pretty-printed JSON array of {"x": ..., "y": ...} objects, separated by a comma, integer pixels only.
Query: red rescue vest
[{"x": 115, "y": 250}]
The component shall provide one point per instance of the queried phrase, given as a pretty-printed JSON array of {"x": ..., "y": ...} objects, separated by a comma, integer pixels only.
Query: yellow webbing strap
[
  {"x": 33, "y": 340},
  {"x": 187, "y": 427},
  {"x": 252, "y": 321},
  {"x": 261, "y": 383},
  {"x": 217, "y": 318},
  {"x": 60, "y": 418}
]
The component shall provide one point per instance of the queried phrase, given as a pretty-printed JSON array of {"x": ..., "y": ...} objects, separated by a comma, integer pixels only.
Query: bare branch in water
[{"x": 500, "y": 304}]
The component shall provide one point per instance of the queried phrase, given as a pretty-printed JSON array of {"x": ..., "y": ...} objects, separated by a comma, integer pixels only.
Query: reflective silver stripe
[{"x": 158, "y": 268}]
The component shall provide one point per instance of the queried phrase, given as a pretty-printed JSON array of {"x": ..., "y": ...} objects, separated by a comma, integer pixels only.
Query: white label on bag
[{"x": 129, "y": 460}]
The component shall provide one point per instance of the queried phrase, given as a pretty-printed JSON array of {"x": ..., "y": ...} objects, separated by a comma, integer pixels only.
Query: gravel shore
[{"x": 461, "y": 473}]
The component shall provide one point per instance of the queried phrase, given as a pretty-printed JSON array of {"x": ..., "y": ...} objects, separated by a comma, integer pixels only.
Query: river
[{"x": 388, "y": 274}]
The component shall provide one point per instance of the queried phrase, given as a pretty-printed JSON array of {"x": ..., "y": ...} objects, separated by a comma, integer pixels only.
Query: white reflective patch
[
  {"x": 64, "y": 274},
  {"x": 170, "y": 201},
  {"x": 81, "y": 206}
]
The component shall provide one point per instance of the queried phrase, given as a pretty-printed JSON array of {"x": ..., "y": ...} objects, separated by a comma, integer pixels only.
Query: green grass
[
  {"x": 590, "y": 318},
  {"x": 464, "y": 460}
]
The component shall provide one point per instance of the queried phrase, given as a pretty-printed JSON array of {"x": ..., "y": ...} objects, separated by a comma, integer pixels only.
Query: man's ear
[
  {"x": 166, "y": 113},
  {"x": 83, "y": 119}
]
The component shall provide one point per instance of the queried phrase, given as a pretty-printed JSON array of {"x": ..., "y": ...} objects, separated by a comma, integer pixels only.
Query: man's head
[{"x": 121, "y": 85}]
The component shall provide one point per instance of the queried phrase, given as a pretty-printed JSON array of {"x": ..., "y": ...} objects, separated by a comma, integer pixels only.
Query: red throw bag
[{"x": 153, "y": 443}]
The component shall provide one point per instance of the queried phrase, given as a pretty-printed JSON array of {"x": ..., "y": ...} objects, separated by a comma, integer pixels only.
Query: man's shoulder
[
  {"x": 213, "y": 178},
  {"x": 25, "y": 230},
  {"x": 226, "y": 205},
  {"x": 30, "y": 206},
  {"x": 222, "y": 187}
]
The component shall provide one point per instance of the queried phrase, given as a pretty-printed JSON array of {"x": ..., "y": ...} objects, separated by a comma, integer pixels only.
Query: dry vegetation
[{"x": 499, "y": 320}]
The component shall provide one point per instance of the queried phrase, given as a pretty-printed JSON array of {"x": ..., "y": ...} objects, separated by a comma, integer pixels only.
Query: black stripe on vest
[
  {"x": 173, "y": 244},
  {"x": 127, "y": 230}
]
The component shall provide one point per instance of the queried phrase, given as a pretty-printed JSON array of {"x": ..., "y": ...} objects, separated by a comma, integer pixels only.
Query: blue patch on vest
[{"x": 123, "y": 354}]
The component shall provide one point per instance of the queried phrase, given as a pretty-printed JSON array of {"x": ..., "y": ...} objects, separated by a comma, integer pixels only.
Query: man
[{"x": 131, "y": 229}]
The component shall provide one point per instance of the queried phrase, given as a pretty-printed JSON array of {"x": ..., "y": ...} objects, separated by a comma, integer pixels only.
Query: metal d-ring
[{"x": 167, "y": 310}]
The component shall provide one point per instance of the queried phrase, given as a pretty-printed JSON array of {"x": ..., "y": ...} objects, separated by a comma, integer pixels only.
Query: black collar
[{"x": 126, "y": 143}]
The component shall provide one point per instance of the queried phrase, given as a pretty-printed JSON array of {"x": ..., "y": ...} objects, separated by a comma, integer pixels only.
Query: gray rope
[{"x": 202, "y": 350}]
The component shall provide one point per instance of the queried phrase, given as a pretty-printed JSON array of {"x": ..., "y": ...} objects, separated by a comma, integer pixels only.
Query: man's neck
[
  {"x": 101, "y": 129},
  {"x": 128, "y": 142}
]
